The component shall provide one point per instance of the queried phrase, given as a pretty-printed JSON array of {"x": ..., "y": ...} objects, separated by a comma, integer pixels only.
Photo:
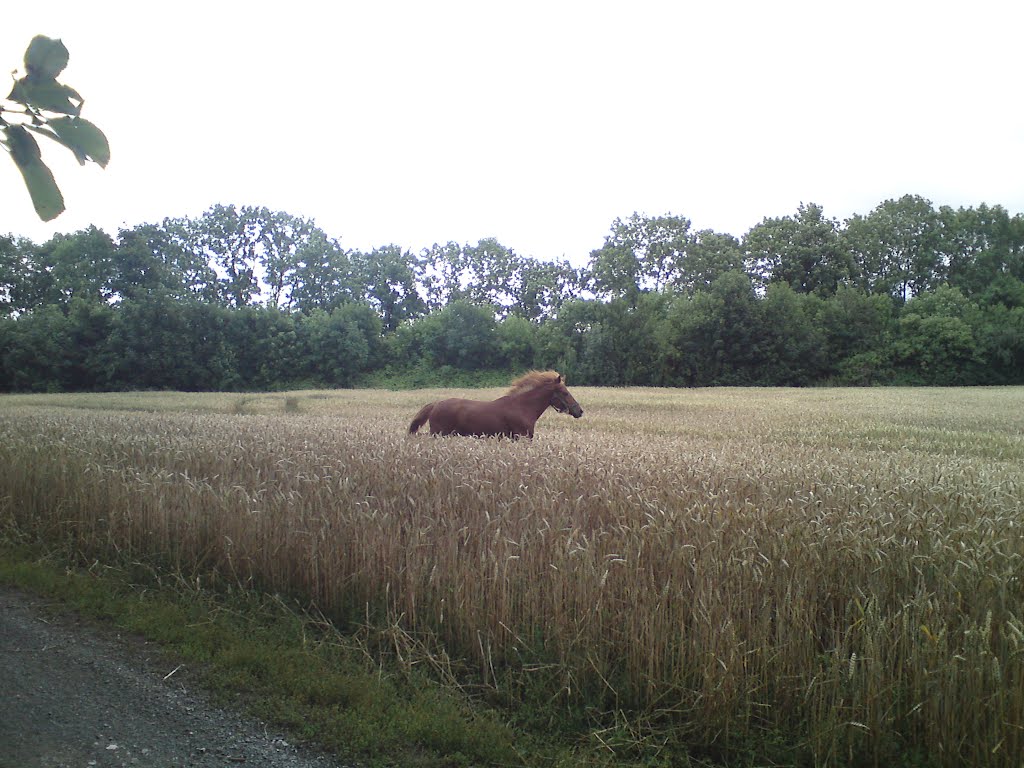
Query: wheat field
[{"x": 837, "y": 569}]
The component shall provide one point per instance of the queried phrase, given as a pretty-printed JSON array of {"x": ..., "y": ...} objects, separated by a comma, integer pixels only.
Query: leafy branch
[{"x": 40, "y": 105}]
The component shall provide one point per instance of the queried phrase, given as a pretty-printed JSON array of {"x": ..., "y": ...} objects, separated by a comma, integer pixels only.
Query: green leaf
[
  {"x": 46, "y": 94},
  {"x": 43, "y": 189},
  {"x": 83, "y": 138},
  {"x": 45, "y": 58}
]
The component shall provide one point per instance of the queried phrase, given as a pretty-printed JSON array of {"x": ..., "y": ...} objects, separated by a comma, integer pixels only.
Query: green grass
[
  {"x": 344, "y": 693},
  {"x": 267, "y": 657}
]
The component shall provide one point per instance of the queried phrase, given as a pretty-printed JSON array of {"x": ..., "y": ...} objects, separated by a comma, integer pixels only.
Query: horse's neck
[{"x": 535, "y": 400}]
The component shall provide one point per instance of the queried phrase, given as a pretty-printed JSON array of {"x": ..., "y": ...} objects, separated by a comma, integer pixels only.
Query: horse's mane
[{"x": 532, "y": 380}]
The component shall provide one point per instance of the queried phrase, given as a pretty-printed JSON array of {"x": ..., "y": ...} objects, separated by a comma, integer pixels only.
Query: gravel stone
[{"x": 73, "y": 695}]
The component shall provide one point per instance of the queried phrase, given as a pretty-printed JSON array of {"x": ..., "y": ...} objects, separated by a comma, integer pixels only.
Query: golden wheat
[{"x": 844, "y": 567}]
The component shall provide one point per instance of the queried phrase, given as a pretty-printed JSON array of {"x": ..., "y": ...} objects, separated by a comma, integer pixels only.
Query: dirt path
[{"x": 74, "y": 696}]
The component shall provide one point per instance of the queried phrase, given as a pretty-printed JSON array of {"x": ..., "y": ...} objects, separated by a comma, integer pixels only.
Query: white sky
[{"x": 537, "y": 123}]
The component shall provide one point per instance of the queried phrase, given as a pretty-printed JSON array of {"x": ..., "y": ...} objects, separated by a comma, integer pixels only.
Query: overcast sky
[{"x": 537, "y": 123}]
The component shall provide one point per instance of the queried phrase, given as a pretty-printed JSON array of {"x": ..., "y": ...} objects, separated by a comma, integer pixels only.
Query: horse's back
[{"x": 459, "y": 416}]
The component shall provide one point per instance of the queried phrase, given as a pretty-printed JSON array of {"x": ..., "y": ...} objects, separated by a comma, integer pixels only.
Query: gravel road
[{"x": 76, "y": 696}]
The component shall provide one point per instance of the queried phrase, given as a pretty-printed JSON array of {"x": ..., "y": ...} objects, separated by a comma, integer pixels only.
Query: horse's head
[{"x": 562, "y": 401}]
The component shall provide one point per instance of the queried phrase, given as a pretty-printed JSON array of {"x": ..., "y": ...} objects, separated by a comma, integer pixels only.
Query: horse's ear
[{"x": 559, "y": 379}]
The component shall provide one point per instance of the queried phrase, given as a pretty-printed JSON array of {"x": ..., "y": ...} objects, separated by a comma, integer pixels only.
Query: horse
[{"x": 512, "y": 415}]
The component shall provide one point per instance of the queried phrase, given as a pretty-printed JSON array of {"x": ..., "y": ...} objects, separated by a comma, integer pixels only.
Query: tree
[
  {"x": 85, "y": 363},
  {"x": 642, "y": 253},
  {"x": 79, "y": 265},
  {"x": 361, "y": 316},
  {"x": 325, "y": 277},
  {"x": 560, "y": 339},
  {"x": 708, "y": 257},
  {"x": 793, "y": 350},
  {"x": 56, "y": 348},
  {"x": 466, "y": 336},
  {"x": 615, "y": 272},
  {"x": 264, "y": 345},
  {"x": 937, "y": 343},
  {"x": 462, "y": 335},
  {"x": 284, "y": 242},
  {"x": 858, "y": 330},
  {"x": 979, "y": 246},
  {"x": 35, "y": 349},
  {"x": 164, "y": 343},
  {"x": 494, "y": 272},
  {"x": 896, "y": 247},
  {"x": 804, "y": 252},
  {"x": 716, "y": 337},
  {"x": 1005, "y": 290},
  {"x": 542, "y": 287},
  {"x": 155, "y": 259},
  {"x": 389, "y": 276},
  {"x": 51, "y": 109},
  {"x": 1002, "y": 340},
  {"x": 516, "y": 340},
  {"x": 488, "y": 273},
  {"x": 341, "y": 344},
  {"x": 623, "y": 345},
  {"x": 17, "y": 263},
  {"x": 176, "y": 242},
  {"x": 445, "y": 276},
  {"x": 229, "y": 238}
]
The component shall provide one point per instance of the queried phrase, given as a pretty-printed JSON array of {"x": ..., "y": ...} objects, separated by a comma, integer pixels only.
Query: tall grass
[{"x": 836, "y": 570}]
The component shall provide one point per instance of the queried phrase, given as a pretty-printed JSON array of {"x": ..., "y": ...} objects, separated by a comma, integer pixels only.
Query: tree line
[{"x": 244, "y": 298}]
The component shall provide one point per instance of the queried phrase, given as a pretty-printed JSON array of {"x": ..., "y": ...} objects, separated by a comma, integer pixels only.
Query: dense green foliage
[{"x": 247, "y": 298}]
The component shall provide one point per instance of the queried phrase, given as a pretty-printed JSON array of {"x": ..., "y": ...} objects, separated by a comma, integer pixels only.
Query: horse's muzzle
[{"x": 575, "y": 411}]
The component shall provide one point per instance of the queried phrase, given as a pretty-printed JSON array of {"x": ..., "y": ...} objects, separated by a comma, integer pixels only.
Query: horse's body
[{"x": 512, "y": 415}]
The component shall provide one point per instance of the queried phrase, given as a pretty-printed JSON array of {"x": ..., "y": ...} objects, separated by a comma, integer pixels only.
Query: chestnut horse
[{"x": 510, "y": 416}]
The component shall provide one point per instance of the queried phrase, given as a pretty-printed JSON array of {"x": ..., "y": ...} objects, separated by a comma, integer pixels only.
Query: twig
[{"x": 173, "y": 671}]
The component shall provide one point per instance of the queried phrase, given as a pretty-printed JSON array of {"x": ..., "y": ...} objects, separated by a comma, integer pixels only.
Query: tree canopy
[{"x": 244, "y": 297}]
